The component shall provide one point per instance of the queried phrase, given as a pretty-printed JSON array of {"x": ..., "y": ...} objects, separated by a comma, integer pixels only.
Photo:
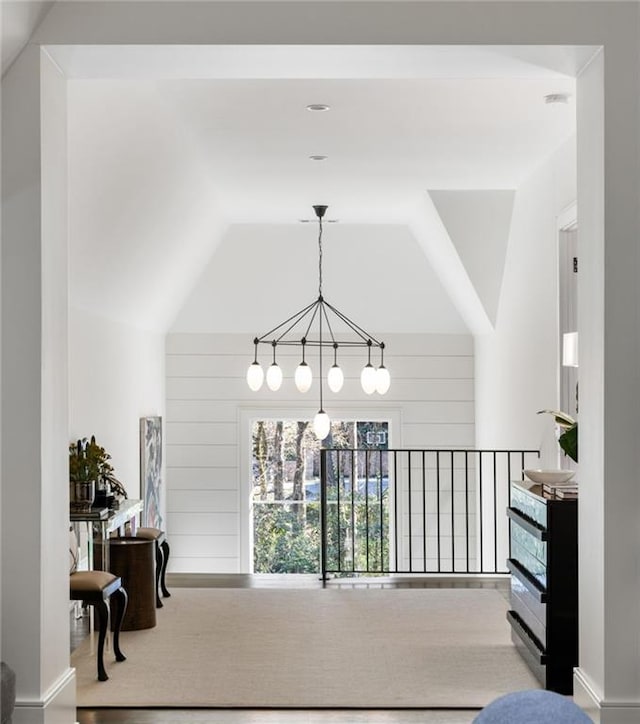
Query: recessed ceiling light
[
  {"x": 318, "y": 107},
  {"x": 557, "y": 98},
  {"x": 318, "y": 157}
]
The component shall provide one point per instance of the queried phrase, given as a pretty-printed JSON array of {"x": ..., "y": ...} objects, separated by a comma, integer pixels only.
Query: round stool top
[
  {"x": 149, "y": 533},
  {"x": 128, "y": 541}
]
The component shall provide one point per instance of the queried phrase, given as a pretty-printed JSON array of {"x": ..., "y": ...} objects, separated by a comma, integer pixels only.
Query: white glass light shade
[
  {"x": 303, "y": 377},
  {"x": 255, "y": 376},
  {"x": 368, "y": 379},
  {"x": 335, "y": 378},
  {"x": 321, "y": 425},
  {"x": 570, "y": 349},
  {"x": 274, "y": 377},
  {"x": 383, "y": 380}
]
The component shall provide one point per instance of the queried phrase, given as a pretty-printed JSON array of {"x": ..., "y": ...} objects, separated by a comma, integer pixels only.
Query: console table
[
  {"x": 544, "y": 583},
  {"x": 101, "y": 522}
]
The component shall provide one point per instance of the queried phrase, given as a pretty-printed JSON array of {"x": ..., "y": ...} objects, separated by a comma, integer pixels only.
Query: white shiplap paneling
[{"x": 432, "y": 393}]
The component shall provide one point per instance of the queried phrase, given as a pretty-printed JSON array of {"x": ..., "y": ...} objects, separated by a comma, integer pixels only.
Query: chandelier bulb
[
  {"x": 383, "y": 380},
  {"x": 303, "y": 377},
  {"x": 321, "y": 424},
  {"x": 255, "y": 376},
  {"x": 368, "y": 378},
  {"x": 274, "y": 377},
  {"x": 335, "y": 378}
]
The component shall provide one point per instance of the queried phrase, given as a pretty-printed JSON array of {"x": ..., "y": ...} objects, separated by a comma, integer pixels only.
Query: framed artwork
[{"x": 151, "y": 470}]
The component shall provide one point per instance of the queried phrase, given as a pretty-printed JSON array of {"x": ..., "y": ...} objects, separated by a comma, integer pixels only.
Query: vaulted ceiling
[{"x": 177, "y": 152}]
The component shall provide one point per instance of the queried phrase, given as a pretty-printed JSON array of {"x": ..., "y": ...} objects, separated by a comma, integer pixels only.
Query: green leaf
[{"x": 568, "y": 441}]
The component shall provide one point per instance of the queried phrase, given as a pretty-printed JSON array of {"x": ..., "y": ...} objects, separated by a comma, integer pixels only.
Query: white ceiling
[
  {"x": 171, "y": 145},
  {"x": 387, "y": 141}
]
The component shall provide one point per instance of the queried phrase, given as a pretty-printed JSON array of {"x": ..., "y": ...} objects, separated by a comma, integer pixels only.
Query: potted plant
[
  {"x": 91, "y": 475},
  {"x": 568, "y": 438}
]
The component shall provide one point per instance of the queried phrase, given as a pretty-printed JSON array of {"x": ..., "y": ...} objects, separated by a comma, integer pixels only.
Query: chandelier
[{"x": 313, "y": 326}]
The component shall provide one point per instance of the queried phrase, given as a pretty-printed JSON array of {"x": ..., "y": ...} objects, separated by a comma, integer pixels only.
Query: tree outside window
[{"x": 286, "y": 491}]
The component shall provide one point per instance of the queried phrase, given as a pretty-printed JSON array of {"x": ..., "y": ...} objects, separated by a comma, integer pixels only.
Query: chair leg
[
  {"x": 103, "y": 618},
  {"x": 121, "y": 600},
  {"x": 165, "y": 559},
  {"x": 159, "y": 565}
]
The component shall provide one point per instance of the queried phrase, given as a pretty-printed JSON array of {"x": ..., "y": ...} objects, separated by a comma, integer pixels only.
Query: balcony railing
[{"x": 417, "y": 511}]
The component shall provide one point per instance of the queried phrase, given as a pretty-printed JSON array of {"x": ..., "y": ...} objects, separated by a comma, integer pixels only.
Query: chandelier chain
[{"x": 320, "y": 258}]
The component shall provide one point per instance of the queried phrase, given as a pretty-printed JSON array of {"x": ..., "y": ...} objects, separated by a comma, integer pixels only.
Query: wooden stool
[
  {"x": 94, "y": 588},
  {"x": 132, "y": 559},
  {"x": 162, "y": 558}
]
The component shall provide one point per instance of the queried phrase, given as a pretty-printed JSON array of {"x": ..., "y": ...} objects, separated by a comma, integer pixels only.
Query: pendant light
[
  {"x": 303, "y": 376},
  {"x": 274, "y": 372},
  {"x": 368, "y": 376},
  {"x": 255, "y": 373},
  {"x": 335, "y": 378},
  {"x": 325, "y": 316},
  {"x": 321, "y": 424}
]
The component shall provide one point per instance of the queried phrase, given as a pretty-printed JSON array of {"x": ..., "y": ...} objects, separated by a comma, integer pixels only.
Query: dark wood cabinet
[{"x": 544, "y": 583}]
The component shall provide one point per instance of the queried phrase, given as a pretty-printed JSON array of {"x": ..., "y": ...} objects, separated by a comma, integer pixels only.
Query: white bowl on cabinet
[{"x": 549, "y": 477}]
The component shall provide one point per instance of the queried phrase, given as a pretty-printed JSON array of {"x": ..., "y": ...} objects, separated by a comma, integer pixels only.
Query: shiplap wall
[{"x": 432, "y": 395}]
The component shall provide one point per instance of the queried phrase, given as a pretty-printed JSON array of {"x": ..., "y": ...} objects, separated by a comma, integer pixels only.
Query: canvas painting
[{"x": 151, "y": 470}]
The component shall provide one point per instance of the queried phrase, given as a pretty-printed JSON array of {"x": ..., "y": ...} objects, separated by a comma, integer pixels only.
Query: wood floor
[
  {"x": 79, "y": 629},
  {"x": 280, "y": 716}
]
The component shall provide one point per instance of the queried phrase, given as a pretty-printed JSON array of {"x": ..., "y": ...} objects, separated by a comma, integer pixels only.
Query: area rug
[{"x": 353, "y": 648}]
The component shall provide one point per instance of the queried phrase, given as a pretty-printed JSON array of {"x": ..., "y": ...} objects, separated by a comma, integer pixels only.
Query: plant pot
[
  {"x": 82, "y": 495},
  {"x": 103, "y": 500}
]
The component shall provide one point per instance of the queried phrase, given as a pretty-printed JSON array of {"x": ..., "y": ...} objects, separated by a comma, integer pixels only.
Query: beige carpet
[{"x": 372, "y": 648}]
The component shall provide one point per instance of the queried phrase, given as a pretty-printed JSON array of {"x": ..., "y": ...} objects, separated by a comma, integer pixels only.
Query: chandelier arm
[
  {"x": 362, "y": 333},
  {"x": 327, "y": 343},
  {"x": 298, "y": 320},
  {"x": 326, "y": 316},
  {"x": 318, "y": 304},
  {"x": 298, "y": 316}
]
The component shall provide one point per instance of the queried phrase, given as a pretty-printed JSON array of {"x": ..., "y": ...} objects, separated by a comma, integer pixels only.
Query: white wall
[
  {"x": 478, "y": 223},
  {"x": 516, "y": 366},
  {"x": 160, "y": 194},
  {"x": 116, "y": 376},
  {"x": 35, "y": 501},
  {"x": 431, "y": 393}
]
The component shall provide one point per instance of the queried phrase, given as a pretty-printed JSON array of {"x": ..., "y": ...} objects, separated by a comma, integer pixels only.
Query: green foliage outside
[
  {"x": 288, "y": 542},
  {"x": 286, "y": 489}
]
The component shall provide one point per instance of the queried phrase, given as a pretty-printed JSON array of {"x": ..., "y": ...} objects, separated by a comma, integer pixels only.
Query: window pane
[{"x": 286, "y": 487}]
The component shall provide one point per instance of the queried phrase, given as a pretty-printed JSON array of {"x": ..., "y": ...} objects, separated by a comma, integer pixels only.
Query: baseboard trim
[
  {"x": 599, "y": 709},
  {"x": 585, "y": 696},
  {"x": 57, "y": 705}
]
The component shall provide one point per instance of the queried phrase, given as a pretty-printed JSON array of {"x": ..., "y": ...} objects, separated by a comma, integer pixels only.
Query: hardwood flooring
[
  {"x": 280, "y": 716},
  {"x": 79, "y": 629}
]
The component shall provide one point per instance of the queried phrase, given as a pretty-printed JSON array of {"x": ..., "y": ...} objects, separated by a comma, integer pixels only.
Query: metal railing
[{"x": 426, "y": 511}]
